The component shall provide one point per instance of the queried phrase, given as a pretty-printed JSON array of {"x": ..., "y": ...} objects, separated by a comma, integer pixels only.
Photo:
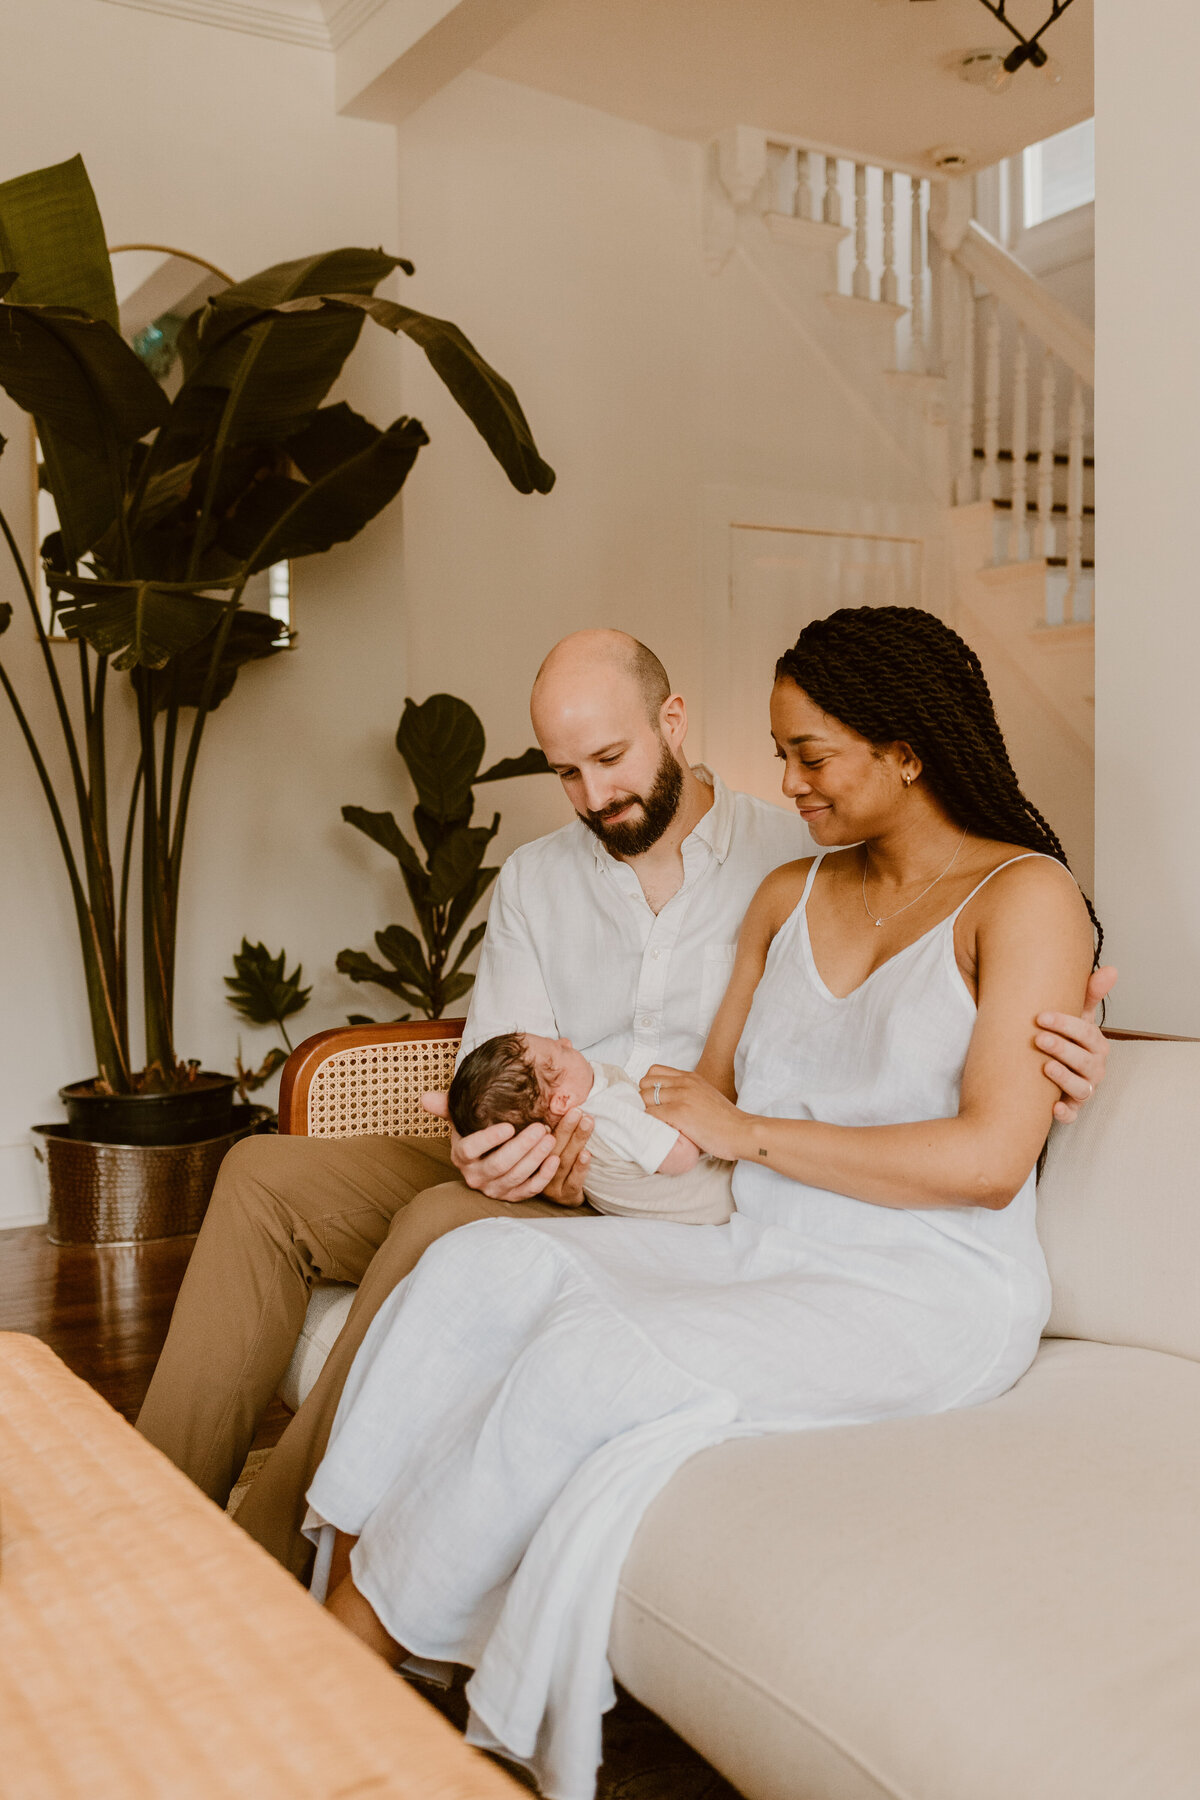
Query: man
[{"x": 618, "y": 932}]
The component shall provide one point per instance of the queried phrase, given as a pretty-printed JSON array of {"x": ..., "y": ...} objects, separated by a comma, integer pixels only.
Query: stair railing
[
  {"x": 881, "y": 211},
  {"x": 1049, "y": 351}
]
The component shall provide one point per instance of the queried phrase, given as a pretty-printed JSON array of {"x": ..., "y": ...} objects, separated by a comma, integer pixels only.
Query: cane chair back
[{"x": 367, "y": 1080}]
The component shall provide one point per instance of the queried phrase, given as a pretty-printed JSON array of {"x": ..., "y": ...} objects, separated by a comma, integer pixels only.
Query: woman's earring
[{"x": 907, "y": 780}]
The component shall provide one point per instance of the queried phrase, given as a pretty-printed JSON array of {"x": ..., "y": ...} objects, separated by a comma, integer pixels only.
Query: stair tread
[
  {"x": 1089, "y": 512},
  {"x": 1061, "y": 459}
]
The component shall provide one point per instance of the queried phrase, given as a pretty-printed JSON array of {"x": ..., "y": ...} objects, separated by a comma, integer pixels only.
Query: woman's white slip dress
[{"x": 525, "y": 1393}]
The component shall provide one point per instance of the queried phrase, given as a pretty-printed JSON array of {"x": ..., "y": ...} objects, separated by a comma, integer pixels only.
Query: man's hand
[
  {"x": 514, "y": 1165},
  {"x": 1076, "y": 1048}
]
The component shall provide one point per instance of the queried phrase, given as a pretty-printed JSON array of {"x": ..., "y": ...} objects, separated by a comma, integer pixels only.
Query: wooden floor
[{"x": 104, "y": 1309}]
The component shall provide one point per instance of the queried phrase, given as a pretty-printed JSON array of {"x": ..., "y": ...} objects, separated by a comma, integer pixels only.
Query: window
[{"x": 1059, "y": 174}]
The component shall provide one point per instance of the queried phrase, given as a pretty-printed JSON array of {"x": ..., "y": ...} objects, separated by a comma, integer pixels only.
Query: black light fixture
[{"x": 1026, "y": 50}]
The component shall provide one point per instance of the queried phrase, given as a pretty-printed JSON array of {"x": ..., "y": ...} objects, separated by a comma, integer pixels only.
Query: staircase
[{"x": 980, "y": 382}]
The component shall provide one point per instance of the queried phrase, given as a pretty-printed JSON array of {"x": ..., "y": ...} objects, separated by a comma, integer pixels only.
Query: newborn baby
[{"x": 639, "y": 1166}]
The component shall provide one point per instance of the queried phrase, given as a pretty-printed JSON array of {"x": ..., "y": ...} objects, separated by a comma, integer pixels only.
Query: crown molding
[
  {"x": 345, "y": 17},
  {"x": 289, "y": 27}
]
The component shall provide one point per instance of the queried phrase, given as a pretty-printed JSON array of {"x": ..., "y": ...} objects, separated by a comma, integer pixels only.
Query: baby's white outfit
[{"x": 629, "y": 1145}]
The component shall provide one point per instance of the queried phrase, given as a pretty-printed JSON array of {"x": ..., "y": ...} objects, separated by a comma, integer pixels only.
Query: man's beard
[{"x": 633, "y": 837}]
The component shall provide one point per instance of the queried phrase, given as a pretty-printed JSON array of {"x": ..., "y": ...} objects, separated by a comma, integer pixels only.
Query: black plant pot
[{"x": 203, "y": 1111}]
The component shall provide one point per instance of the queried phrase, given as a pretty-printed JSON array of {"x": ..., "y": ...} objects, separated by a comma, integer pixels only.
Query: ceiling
[{"x": 875, "y": 76}]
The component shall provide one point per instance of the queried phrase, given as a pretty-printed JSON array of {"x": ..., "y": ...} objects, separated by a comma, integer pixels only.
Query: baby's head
[{"x": 518, "y": 1079}]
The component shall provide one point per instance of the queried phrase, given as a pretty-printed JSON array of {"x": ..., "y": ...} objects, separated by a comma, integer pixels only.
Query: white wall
[
  {"x": 226, "y": 145},
  {"x": 1147, "y": 456},
  {"x": 654, "y": 387},
  {"x": 569, "y": 245}
]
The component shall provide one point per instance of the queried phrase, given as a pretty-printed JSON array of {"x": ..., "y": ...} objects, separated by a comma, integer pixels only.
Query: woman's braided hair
[{"x": 896, "y": 674}]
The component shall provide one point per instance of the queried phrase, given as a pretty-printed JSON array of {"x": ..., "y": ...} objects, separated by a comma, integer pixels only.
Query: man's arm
[
  {"x": 1076, "y": 1048},
  {"x": 510, "y": 995}
]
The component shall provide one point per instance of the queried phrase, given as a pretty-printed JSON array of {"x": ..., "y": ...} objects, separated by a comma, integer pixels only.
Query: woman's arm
[
  {"x": 1033, "y": 939},
  {"x": 770, "y": 906}
]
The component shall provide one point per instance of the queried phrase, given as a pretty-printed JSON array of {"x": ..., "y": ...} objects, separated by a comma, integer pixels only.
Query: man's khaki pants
[{"x": 288, "y": 1211}]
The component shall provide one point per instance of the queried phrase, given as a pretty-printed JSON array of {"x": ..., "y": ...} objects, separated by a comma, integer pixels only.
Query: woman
[{"x": 872, "y": 1072}]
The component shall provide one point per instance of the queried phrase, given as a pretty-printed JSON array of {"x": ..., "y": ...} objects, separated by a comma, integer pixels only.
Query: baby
[{"x": 639, "y": 1166}]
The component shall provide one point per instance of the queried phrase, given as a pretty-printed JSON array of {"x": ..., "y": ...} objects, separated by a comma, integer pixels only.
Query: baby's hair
[{"x": 496, "y": 1084}]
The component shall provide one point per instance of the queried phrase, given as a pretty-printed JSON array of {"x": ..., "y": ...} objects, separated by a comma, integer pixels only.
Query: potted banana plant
[{"x": 167, "y": 507}]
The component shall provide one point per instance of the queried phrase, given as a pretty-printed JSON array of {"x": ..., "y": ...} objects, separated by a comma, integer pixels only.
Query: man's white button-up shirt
[{"x": 573, "y": 949}]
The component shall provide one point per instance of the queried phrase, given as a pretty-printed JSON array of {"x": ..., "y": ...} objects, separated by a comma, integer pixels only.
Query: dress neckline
[{"x": 810, "y": 954}]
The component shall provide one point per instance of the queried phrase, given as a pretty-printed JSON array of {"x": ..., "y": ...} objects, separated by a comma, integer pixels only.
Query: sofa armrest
[{"x": 367, "y": 1080}]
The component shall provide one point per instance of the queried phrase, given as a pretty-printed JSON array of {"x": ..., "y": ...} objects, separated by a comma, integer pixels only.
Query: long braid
[{"x": 896, "y": 674}]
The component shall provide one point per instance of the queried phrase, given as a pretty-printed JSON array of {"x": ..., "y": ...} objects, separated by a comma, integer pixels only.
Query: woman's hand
[
  {"x": 692, "y": 1105},
  {"x": 1076, "y": 1048}
]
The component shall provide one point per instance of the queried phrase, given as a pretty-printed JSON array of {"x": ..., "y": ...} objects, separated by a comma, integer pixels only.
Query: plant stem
[
  {"x": 123, "y": 906},
  {"x": 106, "y": 1032}
]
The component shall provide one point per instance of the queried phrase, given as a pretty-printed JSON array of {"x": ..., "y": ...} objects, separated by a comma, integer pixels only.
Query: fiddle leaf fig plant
[
  {"x": 167, "y": 506},
  {"x": 442, "y": 744}
]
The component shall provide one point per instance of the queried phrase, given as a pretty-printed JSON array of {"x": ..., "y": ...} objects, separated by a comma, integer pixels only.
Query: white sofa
[{"x": 996, "y": 1604}]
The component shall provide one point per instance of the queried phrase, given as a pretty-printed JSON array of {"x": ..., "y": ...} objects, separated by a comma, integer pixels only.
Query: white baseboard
[{"x": 24, "y": 1198}]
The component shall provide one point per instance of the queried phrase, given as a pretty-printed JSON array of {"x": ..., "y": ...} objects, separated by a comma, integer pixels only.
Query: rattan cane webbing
[
  {"x": 374, "y": 1090},
  {"x": 149, "y": 1649}
]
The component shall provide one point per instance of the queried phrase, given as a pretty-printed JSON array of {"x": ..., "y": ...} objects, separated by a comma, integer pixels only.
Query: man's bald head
[
  {"x": 590, "y": 659},
  {"x": 613, "y": 733}
]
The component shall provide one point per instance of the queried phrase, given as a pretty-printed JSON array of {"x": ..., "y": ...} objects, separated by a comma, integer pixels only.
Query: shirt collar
[{"x": 715, "y": 829}]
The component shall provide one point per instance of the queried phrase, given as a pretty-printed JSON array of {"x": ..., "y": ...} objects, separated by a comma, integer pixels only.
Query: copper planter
[{"x": 129, "y": 1193}]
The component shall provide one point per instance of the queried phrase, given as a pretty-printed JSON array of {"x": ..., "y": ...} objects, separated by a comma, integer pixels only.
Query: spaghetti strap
[
  {"x": 802, "y": 904},
  {"x": 1029, "y": 856}
]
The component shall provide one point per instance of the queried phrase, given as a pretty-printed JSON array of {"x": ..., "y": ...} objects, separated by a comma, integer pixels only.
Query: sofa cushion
[
  {"x": 327, "y": 1309},
  {"x": 1001, "y": 1603},
  {"x": 1119, "y": 1205}
]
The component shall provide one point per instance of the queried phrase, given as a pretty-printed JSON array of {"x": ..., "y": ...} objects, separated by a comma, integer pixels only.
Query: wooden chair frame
[{"x": 305, "y": 1066}]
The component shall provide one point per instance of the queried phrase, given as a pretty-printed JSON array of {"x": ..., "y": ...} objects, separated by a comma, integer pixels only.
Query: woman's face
[{"x": 843, "y": 789}]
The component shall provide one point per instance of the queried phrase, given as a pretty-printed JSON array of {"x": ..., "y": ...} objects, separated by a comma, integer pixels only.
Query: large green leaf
[
  {"x": 383, "y": 830},
  {"x": 453, "y": 864},
  {"x": 486, "y": 398},
  {"x": 251, "y": 636},
  {"x": 51, "y": 233},
  {"x": 352, "y": 271},
  {"x": 283, "y": 518},
  {"x": 91, "y": 399},
  {"x": 360, "y": 967},
  {"x": 442, "y": 744},
  {"x": 403, "y": 950},
  {"x": 137, "y": 622},
  {"x": 472, "y": 939},
  {"x": 530, "y": 762},
  {"x": 286, "y": 362},
  {"x": 466, "y": 902}
]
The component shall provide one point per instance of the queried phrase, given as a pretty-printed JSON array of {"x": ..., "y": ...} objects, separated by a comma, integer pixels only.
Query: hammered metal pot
[{"x": 130, "y": 1193}]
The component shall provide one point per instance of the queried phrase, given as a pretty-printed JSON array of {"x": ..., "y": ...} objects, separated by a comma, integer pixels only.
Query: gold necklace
[{"x": 903, "y": 909}]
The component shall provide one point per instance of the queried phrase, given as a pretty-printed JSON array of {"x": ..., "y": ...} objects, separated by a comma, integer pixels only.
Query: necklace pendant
[{"x": 879, "y": 922}]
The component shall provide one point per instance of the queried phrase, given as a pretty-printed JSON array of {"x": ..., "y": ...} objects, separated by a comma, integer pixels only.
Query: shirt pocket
[{"x": 714, "y": 979}]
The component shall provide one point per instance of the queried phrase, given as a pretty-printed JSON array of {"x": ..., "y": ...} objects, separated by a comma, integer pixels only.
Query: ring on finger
[{"x": 655, "y": 1098}]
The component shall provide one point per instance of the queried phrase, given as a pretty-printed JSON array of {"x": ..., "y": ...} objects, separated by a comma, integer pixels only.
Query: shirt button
[
  {"x": 647, "y": 1024},
  {"x": 654, "y": 954}
]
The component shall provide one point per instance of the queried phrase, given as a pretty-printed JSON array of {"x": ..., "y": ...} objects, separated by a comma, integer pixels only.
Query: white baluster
[
  {"x": 1018, "y": 536},
  {"x": 916, "y": 317},
  {"x": 1043, "y": 539},
  {"x": 1074, "y": 498},
  {"x": 964, "y": 487},
  {"x": 989, "y": 486},
  {"x": 860, "y": 286},
  {"x": 802, "y": 204},
  {"x": 833, "y": 197},
  {"x": 889, "y": 286}
]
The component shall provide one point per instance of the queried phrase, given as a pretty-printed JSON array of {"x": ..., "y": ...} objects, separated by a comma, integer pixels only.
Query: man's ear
[{"x": 438, "y": 1104}]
